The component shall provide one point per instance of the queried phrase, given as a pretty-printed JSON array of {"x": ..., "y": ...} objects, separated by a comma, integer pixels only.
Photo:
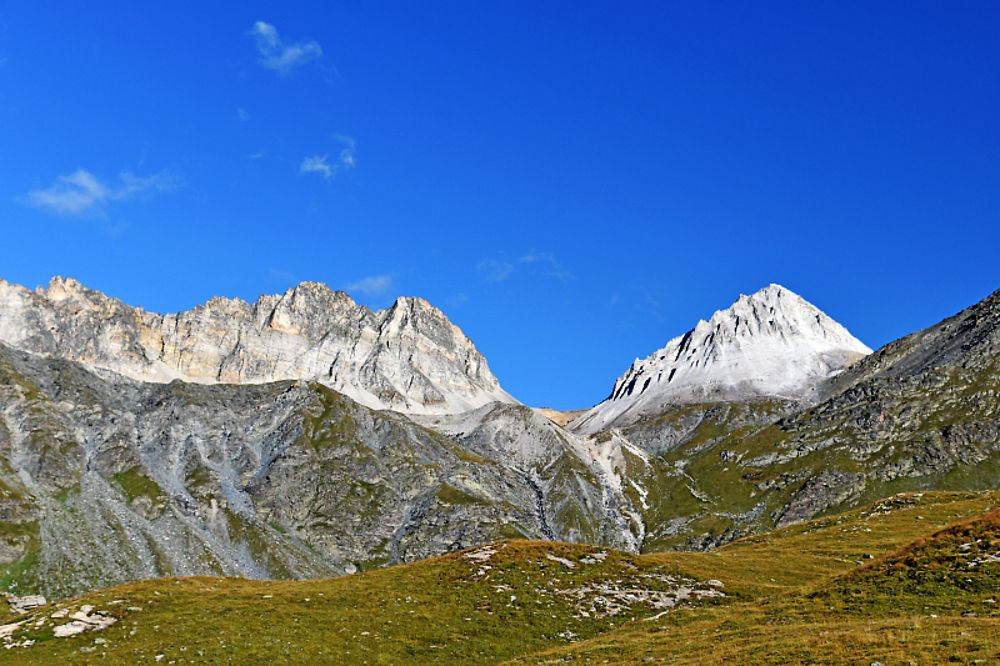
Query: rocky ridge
[{"x": 408, "y": 358}]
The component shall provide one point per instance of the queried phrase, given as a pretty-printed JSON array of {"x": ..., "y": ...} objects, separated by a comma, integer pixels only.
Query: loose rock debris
[
  {"x": 611, "y": 596},
  {"x": 63, "y": 621}
]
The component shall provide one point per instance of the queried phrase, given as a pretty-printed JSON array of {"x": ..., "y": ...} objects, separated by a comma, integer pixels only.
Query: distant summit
[
  {"x": 772, "y": 343},
  {"x": 409, "y": 358}
]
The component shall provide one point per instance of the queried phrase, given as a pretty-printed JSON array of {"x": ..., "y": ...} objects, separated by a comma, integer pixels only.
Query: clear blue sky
[{"x": 572, "y": 183}]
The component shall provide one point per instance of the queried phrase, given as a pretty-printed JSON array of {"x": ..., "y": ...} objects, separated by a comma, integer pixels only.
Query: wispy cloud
[
  {"x": 322, "y": 165},
  {"x": 551, "y": 266},
  {"x": 318, "y": 164},
  {"x": 373, "y": 285},
  {"x": 278, "y": 56},
  {"x": 495, "y": 270},
  {"x": 82, "y": 192},
  {"x": 242, "y": 114},
  {"x": 347, "y": 152}
]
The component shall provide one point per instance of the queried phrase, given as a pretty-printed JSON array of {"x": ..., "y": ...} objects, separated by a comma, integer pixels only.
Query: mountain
[
  {"x": 921, "y": 413},
  {"x": 106, "y": 479},
  {"x": 408, "y": 358},
  {"x": 771, "y": 344}
]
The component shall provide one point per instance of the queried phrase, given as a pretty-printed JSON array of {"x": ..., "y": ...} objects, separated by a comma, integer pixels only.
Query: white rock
[
  {"x": 561, "y": 560},
  {"x": 8, "y": 629},
  {"x": 771, "y": 344},
  {"x": 408, "y": 358},
  {"x": 26, "y": 603},
  {"x": 70, "y": 629}
]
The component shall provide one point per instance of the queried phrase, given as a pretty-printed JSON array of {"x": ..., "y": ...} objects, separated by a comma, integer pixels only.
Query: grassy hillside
[
  {"x": 933, "y": 601},
  {"x": 785, "y": 596}
]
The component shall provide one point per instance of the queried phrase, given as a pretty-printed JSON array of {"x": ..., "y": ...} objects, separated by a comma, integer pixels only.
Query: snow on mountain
[{"x": 773, "y": 343}]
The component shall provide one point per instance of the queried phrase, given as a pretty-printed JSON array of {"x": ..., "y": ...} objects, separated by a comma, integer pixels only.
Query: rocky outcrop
[
  {"x": 772, "y": 344},
  {"x": 408, "y": 358},
  {"x": 21, "y": 605},
  {"x": 579, "y": 495}
]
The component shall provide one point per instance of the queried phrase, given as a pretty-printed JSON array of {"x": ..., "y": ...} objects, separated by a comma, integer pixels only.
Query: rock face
[
  {"x": 771, "y": 344},
  {"x": 408, "y": 358},
  {"x": 107, "y": 479}
]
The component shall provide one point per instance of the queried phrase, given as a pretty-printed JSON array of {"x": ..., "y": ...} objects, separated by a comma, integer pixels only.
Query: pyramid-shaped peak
[
  {"x": 772, "y": 343},
  {"x": 776, "y": 310},
  {"x": 777, "y": 289},
  {"x": 772, "y": 293},
  {"x": 414, "y": 302}
]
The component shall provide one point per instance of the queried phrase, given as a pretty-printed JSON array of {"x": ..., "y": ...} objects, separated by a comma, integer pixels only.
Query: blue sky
[{"x": 572, "y": 184}]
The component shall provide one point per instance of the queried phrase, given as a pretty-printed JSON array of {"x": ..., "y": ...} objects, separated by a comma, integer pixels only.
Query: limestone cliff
[{"x": 407, "y": 358}]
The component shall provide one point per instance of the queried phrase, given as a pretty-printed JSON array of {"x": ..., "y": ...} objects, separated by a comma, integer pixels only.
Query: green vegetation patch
[
  {"x": 805, "y": 595},
  {"x": 958, "y": 566},
  {"x": 451, "y": 495},
  {"x": 20, "y": 569},
  {"x": 134, "y": 484}
]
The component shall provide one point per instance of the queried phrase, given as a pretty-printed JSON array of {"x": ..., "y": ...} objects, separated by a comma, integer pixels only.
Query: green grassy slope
[
  {"x": 791, "y": 592},
  {"x": 920, "y": 604}
]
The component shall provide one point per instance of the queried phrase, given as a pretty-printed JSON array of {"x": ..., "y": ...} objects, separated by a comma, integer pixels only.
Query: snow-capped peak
[{"x": 771, "y": 343}]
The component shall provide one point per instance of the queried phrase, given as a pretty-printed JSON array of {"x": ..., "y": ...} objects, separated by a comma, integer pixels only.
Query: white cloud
[
  {"x": 495, "y": 270},
  {"x": 242, "y": 114},
  {"x": 347, "y": 152},
  {"x": 552, "y": 266},
  {"x": 318, "y": 164},
  {"x": 82, "y": 192},
  {"x": 321, "y": 163},
  {"x": 278, "y": 56},
  {"x": 458, "y": 299},
  {"x": 374, "y": 285}
]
